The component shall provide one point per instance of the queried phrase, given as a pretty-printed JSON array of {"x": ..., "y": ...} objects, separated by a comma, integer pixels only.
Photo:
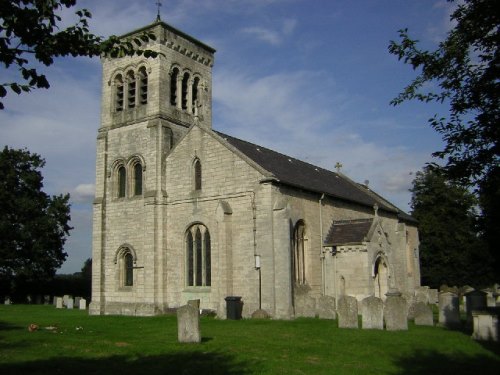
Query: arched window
[
  {"x": 173, "y": 86},
  {"x": 198, "y": 256},
  {"x": 185, "y": 84},
  {"x": 122, "y": 181},
  {"x": 137, "y": 179},
  {"x": 128, "y": 269},
  {"x": 118, "y": 93},
  {"x": 143, "y": 86},
  {"x": 299, "y": 254},
  {"x": 131, "y": 89},
  {"x": 195, "y": 94},
  {"x": 197, "y": 175}
]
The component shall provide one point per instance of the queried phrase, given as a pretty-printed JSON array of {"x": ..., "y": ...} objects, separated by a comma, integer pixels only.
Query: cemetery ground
[{"x": 72, "y": 342}]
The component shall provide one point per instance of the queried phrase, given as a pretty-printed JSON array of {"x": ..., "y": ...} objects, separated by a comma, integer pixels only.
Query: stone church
[{"x": 185, "y": 212}]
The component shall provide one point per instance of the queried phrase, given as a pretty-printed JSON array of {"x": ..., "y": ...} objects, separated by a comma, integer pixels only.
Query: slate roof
[
  {"x": 348, "y": 232},
  {"x": 296, "y": 173}
]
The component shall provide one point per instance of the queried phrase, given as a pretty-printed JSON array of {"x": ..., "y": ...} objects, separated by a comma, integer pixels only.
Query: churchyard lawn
[{"x": 72, "y": 342}]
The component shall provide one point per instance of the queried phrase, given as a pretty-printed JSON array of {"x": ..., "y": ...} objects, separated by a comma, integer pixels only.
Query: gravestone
[
  {"x": 395, "y": 312},
  {"x": 410, "y": 303},
  {"x": 195, "y": 303},
  {"x": 188, "y": 324},
  {"x": 260, "y": 314},
  {"x": 65, "y": 300},
  {"x": 7, "y": 300},
  {"x": 305, "y": 306},
  {"x": 38, "y": 299},
  {"x": 54, "y": 301},
  {"x": 59, "y": 303},
  {"x": 76, "y": 302},
  {"x": 29, "y": 299},
  {"x": 423, "y": 315},
  {"x": 422, "y": 294},
  {"x": 372, "y": 313},
  {"x": 347, "y": 311},
  {"x": 485, "y": 326},
  {"x": 82, "y": 304},
  {"x": 69, "y": 303},
  {"x": 449, "y": 315},
  {"x": 46, "y": 300},
  {"x": 326, "y": 307},
  {"x": 475, "y": 301},
  {"x": 433, "y": 296}
]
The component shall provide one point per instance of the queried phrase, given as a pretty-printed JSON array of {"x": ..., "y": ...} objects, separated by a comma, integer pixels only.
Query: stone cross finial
[
  {"x": 338, "y": 167},
  {"x": 375, "y": 208},
  {"x": 158, "y": 5}
]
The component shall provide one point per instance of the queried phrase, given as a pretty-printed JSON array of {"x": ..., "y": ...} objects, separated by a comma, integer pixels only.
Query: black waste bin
[{"x": 234, "y": 306}]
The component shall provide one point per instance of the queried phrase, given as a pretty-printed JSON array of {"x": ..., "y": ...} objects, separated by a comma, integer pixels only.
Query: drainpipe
[{"x": 321, "y": 253}]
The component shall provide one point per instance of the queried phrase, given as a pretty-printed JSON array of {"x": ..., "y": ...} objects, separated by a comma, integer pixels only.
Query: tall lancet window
[
  {"x": 118, "y": 93},
  {"x": 131, "y": 89},
  {"x": 197, "y": 175},
  {"x": 143, "y": 86},
  {"x": 198, "y": 256},
  {"x": 299, "y": 256}
]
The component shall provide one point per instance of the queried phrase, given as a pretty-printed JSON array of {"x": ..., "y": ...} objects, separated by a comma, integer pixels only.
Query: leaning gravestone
[
  {"x": 372, "y": 313},
  {"x": 347, "y": 312},
  {"x": 59, "y": 303},
  {"x": 305, "y": 306},
  {"x": 326, "y": 307},
  {"x": 395, "y": 312},
  {"x": 449, "y": 314},
  {"x": 188, "y": 324},
  {"x": 423, "y": 315}
]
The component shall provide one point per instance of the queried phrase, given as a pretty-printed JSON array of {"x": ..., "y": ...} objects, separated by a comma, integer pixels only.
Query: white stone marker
[
  {"x": 83, "y": 304},
  {"x": 59, "y": 303}
]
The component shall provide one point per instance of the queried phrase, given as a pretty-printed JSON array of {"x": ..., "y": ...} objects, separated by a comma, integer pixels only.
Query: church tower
[{"x": 148, "y": 104}]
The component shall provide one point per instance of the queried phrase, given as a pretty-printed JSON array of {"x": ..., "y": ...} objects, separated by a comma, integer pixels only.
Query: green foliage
[
  {"x": 30, "y": 35},
  {"x": 133, "y": 345},
  {"x": 466, "y": 69},
  {"x": 33, "y": 225},
  {"x": 451, "y": 251}
]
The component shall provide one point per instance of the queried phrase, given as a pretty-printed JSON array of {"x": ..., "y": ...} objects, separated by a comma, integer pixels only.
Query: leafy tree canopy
[
  {"x": 465, "y": 72},
  {"x": 33, "y": 225},
  {"x": 30, "y": 34},
  {"x": 451, "y": 252}
]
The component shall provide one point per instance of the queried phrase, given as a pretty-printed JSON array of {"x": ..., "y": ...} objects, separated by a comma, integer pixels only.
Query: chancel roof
[
  {"x": 348, "y": 232},
  {"x": 293, "y": 172}
]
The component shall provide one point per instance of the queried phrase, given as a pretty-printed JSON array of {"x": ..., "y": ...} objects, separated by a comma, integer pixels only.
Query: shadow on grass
[
  {"x": 180, "y": 364},
  {"x": 428, "y": 362},
  {"x": 4, "y": 326}
]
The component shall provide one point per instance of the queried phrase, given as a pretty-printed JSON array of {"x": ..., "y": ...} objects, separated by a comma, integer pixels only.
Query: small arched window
[
  {"x": 137, "y": 179},
  {"x": 118, "y": 93},
  {"x": 131, "y": 89},
  {"x": 143, "y": 86},
  {"x": 198, "y": 256},
  {"x": 122, "y": 181},
  {"x": 197, "y": 174},
  {"x": 173, "y": 86}
]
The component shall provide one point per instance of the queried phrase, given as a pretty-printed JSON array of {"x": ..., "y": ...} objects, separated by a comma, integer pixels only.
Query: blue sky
[{"x": 309, "y": 78}]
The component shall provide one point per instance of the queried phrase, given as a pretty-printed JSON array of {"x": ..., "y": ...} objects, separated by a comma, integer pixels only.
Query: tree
[
  {"x": 30, "y": 35},
  {"x": 466, "y": 69},
  {"x": 451, "y": 252},
  {"x": 33, "y": 225}
]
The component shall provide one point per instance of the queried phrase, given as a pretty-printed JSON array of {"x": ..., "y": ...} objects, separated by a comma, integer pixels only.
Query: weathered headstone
[
  {"x": 433, "y": 296},
  {"x": 82, "y": 304},
  {"x": 395, "y": 312},
  {"x": 260, "y": 314},
  {"x": 65, "y": 300},
  {"x": 70, "y": 303},
  {"x": 188, "y": 324},
  {"x": 305, "y": 306},
  {"x": 59, "y": 303},
  {"x": 449, "y": 314},
  {"x": 410, "y": 303},
  {"x": 422, "y": 294},
  {"x": 347, "y": 311},
  {"x": 7, "y": 300},
  {"x": 372, "y": 313},
  {"x": 326, "y": 307},
  {"x": 423, "y": 315},
  {"x": 76, "y": 302},
  {"x": 485, "y": 326}
]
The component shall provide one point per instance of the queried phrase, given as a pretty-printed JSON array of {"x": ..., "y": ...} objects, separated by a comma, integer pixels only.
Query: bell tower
[{"x": 147, "y": 105}]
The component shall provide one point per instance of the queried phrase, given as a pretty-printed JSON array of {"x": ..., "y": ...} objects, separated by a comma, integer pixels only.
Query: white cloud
[
  {"x": 83, "y": 193},
  {"x": 272, "y": 36}
]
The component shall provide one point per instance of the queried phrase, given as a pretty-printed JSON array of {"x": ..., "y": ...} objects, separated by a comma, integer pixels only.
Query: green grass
[{"x": 134, "y": 345}]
